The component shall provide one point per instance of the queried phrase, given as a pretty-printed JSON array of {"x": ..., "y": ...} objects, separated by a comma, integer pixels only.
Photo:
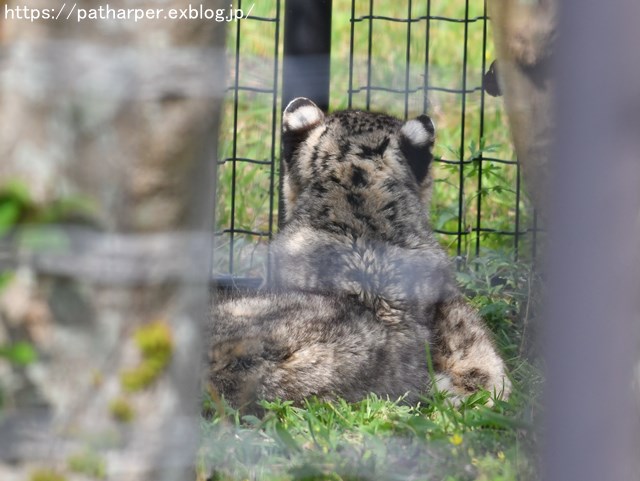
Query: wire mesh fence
[
  {"x": 405, "y": 59},
  {"x": 247, "y": 166}
]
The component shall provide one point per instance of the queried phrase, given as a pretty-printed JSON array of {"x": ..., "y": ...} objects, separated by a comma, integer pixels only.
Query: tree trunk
[
  {"x": 113, "y": 123},
  {"x": 524, "y": 34}
]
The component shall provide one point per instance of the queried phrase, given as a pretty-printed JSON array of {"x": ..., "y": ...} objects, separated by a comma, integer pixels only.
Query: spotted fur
[{"x": 361, "y": 289}]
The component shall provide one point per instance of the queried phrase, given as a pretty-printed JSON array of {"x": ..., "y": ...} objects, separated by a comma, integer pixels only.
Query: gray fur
[
  {"x": 360, "y": 285},
  {"x": 293, "y": 345}
]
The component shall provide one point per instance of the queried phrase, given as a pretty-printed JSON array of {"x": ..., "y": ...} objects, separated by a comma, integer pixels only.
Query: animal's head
[
  {"x": 236, "y": 367},
  {"x": 369, "y": 164}
]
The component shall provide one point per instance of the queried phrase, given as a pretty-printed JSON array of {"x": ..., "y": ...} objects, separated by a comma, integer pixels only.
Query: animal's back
[{"x": 293, "y": 345}]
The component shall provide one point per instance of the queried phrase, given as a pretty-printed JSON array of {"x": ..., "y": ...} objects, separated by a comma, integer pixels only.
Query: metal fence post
[
  {"x": 307, "y": 51},
  {"x": 307, "y": 57}
]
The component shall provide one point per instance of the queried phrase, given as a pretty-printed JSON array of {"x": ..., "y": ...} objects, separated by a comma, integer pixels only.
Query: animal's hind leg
[{"x": 464, "y": 356}]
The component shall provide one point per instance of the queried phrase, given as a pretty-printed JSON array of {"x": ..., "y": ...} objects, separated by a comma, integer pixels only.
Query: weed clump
[
  {"x": 46, "y": 475},
  {"x": 121, "y": 410},
  {"x": 88, "y": 463},
  {"x": 155, "y": 342}
]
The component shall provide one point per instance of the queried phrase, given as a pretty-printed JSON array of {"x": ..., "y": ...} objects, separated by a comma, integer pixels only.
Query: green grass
[{"x": 373, "y": 439}]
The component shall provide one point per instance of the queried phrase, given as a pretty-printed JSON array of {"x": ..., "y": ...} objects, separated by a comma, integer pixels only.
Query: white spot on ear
[
  {"x": 415, "y": 132},
  {"x": 303, "y": 117}
]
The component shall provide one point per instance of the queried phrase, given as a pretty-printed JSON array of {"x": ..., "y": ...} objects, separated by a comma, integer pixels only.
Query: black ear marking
[
  {"x": 416, "y": 143},
  {"x": 300, "y": 117}
]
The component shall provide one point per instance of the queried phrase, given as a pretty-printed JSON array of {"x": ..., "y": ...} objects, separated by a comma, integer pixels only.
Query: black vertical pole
[
  {"x": 307, "y": 57},
  {"x": 307, "y": 51}
]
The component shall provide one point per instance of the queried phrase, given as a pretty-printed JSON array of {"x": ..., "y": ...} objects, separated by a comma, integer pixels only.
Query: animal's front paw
[{"x": 460, "y": 385}]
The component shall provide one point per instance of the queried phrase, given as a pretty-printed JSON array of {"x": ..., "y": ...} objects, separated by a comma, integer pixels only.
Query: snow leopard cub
[{"x": 361, "y": 290}]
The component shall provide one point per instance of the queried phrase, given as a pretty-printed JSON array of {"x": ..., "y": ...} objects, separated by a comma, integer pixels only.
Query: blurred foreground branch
[{"x": 123, "y": 116}]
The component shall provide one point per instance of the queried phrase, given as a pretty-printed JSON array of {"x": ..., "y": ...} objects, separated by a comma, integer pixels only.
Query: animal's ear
[
  {"x": 299, "y": 118},
  {"x": 416, "y": 143}
]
